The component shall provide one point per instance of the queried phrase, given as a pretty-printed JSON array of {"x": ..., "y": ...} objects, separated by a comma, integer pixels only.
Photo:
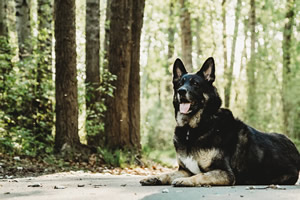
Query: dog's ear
[
  {"x": 178, "y": 69},
  {"x": 207, "y": 70}
]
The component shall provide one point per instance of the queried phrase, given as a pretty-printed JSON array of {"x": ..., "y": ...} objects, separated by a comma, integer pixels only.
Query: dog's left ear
[{"x": 207, "y": 70}]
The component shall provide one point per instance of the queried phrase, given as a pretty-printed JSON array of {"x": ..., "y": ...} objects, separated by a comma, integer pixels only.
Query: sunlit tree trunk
[
  {"x": 3, "y": 18},
  {"x": 66, "y": 76},
  {"x": 287, "y": 97},
  {"x": 186, "y": 35},
  {"x": 6, "y": 65},
  {"x": 171, "y": 34},
  {"x": 122, "y": 120},
  {"x": 198, "y": 41},
  {"x": 92, "y": 81},
  {"x": 23, "y": 27},
  {"x": 106, "y": 36},
  {"x": 224, "y": 41},
  {"x": 251, "y": 91},
  {"x": 229, "y": 71}
]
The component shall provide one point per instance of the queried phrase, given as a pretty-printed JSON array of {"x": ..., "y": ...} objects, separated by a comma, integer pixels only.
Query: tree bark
[
  {"x": 171, "y": 35},
  {"x": 134, "y": 82},
  {"x": 106, "y": 36},
  {"x": 251, "y": 92},
  {"x": 3, "y": 18},
  {"x": 92, "y": 80},
  {"x": 186, "y": 35},
  {"x": 23, "y": 27},
  {"x": 229, "y": 72},
  {"x": 287, "y": 97},
  {"x": 123, "y": 114},
  {"x": 66, "y": 76},
  {"x": 199, "y": 41},
  {"x": 224, "y": 41},
  {"x": 6, "y": 64}
]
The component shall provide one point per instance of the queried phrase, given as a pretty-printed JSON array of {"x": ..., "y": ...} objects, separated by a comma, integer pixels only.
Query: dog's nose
[{"x": 182, "y": 91}]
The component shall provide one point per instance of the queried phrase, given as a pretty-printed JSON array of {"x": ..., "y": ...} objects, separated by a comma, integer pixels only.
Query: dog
[{"x": 214, "y": 148}]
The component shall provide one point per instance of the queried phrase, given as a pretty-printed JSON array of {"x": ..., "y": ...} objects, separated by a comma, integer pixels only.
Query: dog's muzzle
[{"x": 185, "y": 104}]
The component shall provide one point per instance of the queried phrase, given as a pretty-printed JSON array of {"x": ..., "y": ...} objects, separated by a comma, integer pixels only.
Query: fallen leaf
[{"x": 35, "y": 185}]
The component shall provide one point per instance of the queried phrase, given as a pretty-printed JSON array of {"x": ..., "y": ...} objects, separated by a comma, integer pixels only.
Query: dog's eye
[
  {"x": 195, "y": 83},
  {"x": 180, "y": 83}
]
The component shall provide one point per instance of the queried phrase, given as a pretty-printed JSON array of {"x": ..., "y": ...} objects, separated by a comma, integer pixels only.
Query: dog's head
[{"x": 194, "y": 94}]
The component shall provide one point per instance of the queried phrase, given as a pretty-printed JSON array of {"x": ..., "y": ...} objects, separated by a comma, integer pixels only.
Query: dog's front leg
[
  {"x": 165, "y": 179},
  {"x": 215, "y": 177}
]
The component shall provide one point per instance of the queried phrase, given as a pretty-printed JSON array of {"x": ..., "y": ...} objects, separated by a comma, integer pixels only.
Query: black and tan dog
[{"x": 214, "y": 148}]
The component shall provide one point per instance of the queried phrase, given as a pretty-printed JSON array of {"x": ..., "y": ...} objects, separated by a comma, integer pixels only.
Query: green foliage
[
  {"x": 94, "y": 125},
  {"x": 26, "y": 116},
  {"x": 118, "y": 158}
]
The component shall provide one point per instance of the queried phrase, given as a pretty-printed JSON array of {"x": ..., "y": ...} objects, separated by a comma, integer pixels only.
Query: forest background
[{"x": 256, "y": 46}]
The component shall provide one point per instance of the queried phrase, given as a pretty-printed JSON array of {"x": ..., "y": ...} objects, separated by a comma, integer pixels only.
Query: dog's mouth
[{"x": 185, "y": 108}]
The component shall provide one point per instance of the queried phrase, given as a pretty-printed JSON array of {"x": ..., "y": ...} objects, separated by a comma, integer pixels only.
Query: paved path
[{"x": 80, "y": 186}]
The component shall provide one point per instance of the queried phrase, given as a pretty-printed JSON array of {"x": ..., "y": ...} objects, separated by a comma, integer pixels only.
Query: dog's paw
[
  {"x": 153, "y": 180},
  {"x": 183, "y": 182}
]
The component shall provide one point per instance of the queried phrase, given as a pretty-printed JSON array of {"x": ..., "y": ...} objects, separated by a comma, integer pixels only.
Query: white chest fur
[
  {"x": 202, "y": 158},
  {"x": 190, "y": 163}
]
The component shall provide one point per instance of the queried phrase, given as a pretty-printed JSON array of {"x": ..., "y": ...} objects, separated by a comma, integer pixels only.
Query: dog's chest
[{"x": 201, "y": 159}]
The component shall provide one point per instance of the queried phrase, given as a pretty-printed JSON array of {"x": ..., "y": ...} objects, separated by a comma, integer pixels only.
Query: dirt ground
[{"x": 82, "y": 185}]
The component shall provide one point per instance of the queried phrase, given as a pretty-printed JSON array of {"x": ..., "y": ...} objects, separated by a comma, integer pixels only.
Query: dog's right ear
[{"x": 178, "y": 69}]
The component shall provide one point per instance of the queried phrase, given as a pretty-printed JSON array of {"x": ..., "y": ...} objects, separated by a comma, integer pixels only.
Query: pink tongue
[{"x": 184, "y": 107}]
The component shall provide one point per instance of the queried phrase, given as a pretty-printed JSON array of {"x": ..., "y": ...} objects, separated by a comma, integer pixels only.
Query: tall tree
[
  {"x": 287, "y": 97},
  {"x": 123, "y": 115},
  {"x": 66, "y": 76},
  {"x": 23, "y": 27},
  {"x": 186, "y": 35},
  {"x": 134, "y": 82},
  {"x": 198, "y": 40},
  {"x": 229, "y": 71},
  {"x": 6, "y": 65},
  {"x": 106, "y": 36},
  {"x": 92, "y": 81},
  {"x": 251, "y": 90},
  {"x": 44, "y": 111},
  {"x": 224, "y": 41},
  {"x": 171, "y": 34},
  {"x": 3, "y": 18}
]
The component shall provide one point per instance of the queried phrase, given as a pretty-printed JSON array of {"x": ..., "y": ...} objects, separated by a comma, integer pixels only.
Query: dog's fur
[{"x": 214, "y": 148}]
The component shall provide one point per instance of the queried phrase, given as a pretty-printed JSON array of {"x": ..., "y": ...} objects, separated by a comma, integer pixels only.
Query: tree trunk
[
  {"x": 43, "y": 104},
  {"x": 199, "y": 41},
  {"x": 23, "y": 27},
  {"x": 106, "y": 36},
  {"x": 224, "y": 41},
  {"x": 92, "y": 80},
  {"x": 171, "y": 41},
  {"x": 186, "y": 35},
  {"x": 229, "y": 72},
  {"x": 6, "y": 64},
  {"x": 287, "y": 97},
  {"x": 251, "y": 92},
  {"x": 122, "y": 117},
  {"x": 66, "y": 76},
  {"x": 3, "y": 18},
  {"x": 134, "y": 82},
  {"x": 171, "y": 35}
]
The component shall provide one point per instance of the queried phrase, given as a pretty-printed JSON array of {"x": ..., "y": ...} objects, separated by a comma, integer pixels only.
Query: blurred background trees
[{"x": 121, "y": 55}]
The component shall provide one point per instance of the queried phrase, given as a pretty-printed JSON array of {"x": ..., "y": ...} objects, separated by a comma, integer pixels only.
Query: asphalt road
[{"x": 80, "y": 186}]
